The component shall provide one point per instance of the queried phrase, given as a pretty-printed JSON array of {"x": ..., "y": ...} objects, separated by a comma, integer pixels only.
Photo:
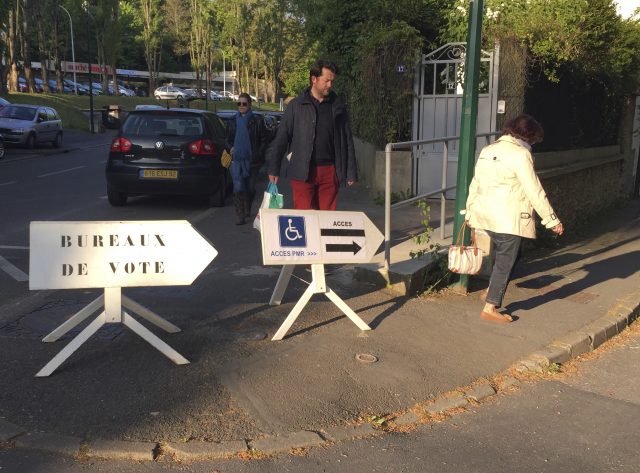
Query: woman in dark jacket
[{"x": 247, "y": 137}]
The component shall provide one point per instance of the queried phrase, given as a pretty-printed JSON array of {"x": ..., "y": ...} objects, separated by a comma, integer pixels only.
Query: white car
[{"x": 171, "y": 92}]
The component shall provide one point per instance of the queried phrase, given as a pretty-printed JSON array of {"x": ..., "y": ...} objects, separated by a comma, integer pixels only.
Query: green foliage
[
  {"x": 437, "y": 275},
  {"x": 382, "y": 96}
]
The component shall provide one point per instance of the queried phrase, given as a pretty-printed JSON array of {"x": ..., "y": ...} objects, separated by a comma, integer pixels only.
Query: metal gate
[{"x": 438, "y": 106}]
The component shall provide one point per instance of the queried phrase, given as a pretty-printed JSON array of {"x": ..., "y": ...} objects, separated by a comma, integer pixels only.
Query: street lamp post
[{"x": 73, "y": 51}]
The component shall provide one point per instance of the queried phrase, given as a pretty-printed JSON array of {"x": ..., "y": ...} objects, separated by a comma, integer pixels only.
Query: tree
[{"x": 152, "y": 19}]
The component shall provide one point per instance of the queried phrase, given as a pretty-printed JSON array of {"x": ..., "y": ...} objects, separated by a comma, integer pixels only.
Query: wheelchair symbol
[{"x": 292, "y": 231}]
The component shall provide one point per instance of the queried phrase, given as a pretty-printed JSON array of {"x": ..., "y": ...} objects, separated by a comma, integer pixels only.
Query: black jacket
[
  {"x": 258, "y": 134},
  {"x": 296, "y": 134}
]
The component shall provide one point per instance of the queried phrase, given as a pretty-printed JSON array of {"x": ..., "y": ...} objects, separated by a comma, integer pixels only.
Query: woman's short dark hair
[
  {"x": 524, "y": 127},
  {"x": 316, "y": 68},
  {"x": 245, "y": 95}
]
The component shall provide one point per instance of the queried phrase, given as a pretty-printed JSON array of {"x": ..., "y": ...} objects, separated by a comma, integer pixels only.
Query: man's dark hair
[
  {"x": 316, "y": 68},
  {"x": 524, "y": 127},
  {"x": 245, "y": 95}
]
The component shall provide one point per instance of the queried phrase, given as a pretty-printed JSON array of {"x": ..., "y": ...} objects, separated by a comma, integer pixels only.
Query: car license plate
[{"x": 158, "y": 174}]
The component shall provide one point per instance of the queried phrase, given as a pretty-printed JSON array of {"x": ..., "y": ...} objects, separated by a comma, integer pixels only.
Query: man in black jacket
[
  {"x": 315, "y": 134},
  {"x": 247, "y": 148}
]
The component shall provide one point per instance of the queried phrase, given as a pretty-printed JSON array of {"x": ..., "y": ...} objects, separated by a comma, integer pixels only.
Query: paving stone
[
  {"x": 480, "y": 392},
  {"x": 117, "y": 450},
  {"x": 191, "y": 451},
  {"x": 555, "y": 354},
  {"x": 601, "y": 330},
  {"x": 509, "y": 382},
  {"x": 446, "y": 403},
  {"x": 577, "y": 343},
  {"x": 9, "y": 431},
  {"x": 622, "y": 321},
  {"x": 50, "y": 442},
  {"x": 407, "y": 418},
  {"x": 338, "y": 434},
  {"x": 285, "y": 443},
  {"x": 536, "y": 363}
]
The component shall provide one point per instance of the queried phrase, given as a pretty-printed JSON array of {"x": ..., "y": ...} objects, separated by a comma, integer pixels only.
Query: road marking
[
  {"x": 60, "y": 172},
  {"x": 9, "y": 247},
  {"x": 12, "y": 271},
  {"x": 8, "y": 183}
]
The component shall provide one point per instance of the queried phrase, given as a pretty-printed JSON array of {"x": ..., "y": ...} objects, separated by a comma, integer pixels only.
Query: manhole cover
[{"x": 366, "y": 358}]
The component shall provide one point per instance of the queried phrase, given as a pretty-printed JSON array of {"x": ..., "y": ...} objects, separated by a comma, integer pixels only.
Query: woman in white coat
[{"x": 503, "y": 195}]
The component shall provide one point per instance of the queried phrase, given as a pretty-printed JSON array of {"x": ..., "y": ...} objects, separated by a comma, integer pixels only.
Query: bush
[{"x": 381, "y": 98}]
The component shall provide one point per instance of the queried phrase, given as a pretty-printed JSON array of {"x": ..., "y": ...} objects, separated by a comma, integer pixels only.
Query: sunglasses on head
[{"x": 243, "y": 104}]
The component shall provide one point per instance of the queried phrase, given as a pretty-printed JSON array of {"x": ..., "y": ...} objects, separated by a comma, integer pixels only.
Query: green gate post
[{"x": 466, "y": 155}]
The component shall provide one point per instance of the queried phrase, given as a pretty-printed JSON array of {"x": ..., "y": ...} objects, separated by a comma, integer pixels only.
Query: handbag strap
[
  {"x": 272, "y": 188},
  {"x": 459, "y": 240}
]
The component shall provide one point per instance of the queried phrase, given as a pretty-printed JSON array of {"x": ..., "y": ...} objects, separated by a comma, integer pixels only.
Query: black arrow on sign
[
  {"x": 338, "y": 248},
  {"x": 342, "y": 232}
]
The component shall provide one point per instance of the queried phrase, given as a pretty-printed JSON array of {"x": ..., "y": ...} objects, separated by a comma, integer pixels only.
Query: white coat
[{"x": 505, "y": 191}]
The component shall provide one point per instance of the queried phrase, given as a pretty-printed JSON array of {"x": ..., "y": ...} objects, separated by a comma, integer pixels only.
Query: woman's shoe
[{"x": 496, "y": 317}]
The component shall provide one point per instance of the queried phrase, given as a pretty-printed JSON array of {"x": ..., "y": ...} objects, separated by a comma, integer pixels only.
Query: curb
[
  {"x": 570, "y": 346},
  {"x": 584, "y": 340}
]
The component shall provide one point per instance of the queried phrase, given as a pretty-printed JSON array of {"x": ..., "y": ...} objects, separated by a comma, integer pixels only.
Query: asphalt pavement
[{"x": 243, "y": 394}]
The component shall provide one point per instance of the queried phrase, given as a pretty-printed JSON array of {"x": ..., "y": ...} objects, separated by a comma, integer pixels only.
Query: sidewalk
[{"x": 243, "y": 392}]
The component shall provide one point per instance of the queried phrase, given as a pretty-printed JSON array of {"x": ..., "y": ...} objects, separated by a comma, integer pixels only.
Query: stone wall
[{"x": 582, "y": 183}]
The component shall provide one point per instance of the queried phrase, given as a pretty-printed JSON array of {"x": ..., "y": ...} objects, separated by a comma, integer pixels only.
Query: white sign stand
[
  {"x": 113, "y": 302},
  {"x": 318, "y": 286}
]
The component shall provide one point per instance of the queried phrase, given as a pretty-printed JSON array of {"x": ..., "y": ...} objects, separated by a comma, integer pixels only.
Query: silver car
[
  {"x": 171, "y": 92},
  {"x": 30, "y": 124}
]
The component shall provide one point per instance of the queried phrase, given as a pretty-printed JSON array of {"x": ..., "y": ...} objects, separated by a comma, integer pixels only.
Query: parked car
[
  {"x": 30, "y": 124},
  {"x": 172, "y": 92},
  {"x": 22, "y": 84},
  {"x": 82, "y": 89},
  {"x": 3, "y": 102},
  {"x": 53, "y": 86},
  {"x": 169, "y": 151},
  {"x": 217, "y": 96},
  {"x": 1, "y": 147}
]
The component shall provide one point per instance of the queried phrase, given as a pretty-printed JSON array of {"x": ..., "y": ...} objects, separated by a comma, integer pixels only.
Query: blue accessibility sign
[{"x": 292, "y": 231}]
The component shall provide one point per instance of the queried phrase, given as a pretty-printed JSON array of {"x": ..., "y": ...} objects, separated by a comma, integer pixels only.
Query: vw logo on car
[{"x": 159, "y": 145}]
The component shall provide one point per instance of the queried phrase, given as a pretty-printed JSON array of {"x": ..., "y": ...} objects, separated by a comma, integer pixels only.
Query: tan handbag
[
  {"x": 225, "y": 159},
  {"x": 465, "y": 259}
]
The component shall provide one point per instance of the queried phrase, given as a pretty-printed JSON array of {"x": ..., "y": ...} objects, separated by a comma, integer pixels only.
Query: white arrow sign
[
  {"x": 317, "y": 236},
  {"x": 68, "y": 255}
]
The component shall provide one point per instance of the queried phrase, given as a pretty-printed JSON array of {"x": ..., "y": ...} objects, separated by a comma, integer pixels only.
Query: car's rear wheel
[
  {"x": 115, "y": 197},
  {"x": 217, "y": 199},
  {"x": 57, "y": 143},
  {"x": 31, "y": 141},
  {"x": 157, "y": 97}
]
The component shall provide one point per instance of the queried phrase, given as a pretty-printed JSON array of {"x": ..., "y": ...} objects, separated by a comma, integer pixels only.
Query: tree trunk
[
  {"x": 11, "y": 50},
  {"x": 23, "y": 32}
]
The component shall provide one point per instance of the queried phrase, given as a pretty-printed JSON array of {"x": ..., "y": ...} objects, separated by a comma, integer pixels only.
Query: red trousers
[{"x": 319, "y": 192}]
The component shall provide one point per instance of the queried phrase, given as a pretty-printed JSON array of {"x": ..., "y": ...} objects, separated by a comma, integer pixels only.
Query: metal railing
[{"x": 442, "y": 191}]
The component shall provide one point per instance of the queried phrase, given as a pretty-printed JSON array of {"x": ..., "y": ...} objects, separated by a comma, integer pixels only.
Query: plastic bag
[{"x": 271, "y": 199}]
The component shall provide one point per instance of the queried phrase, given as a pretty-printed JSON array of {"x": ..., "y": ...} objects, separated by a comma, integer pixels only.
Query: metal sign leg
[
  {"x": 293, "y": 315},
  {"x": 67, "y": 351},
  {"x": 146, "y": 314},
  {"x": 75, "y": 320},
  {"x": 113, "y": 301},
  {"x": 281, "y": 285},
  {"x": 317, "y": 286},
  {"x": 161, "y": 346},
  {"x": 342, "y": 305}
]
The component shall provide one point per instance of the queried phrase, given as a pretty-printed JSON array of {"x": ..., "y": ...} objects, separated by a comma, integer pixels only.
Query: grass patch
[{"x": 73, "y": 108}]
